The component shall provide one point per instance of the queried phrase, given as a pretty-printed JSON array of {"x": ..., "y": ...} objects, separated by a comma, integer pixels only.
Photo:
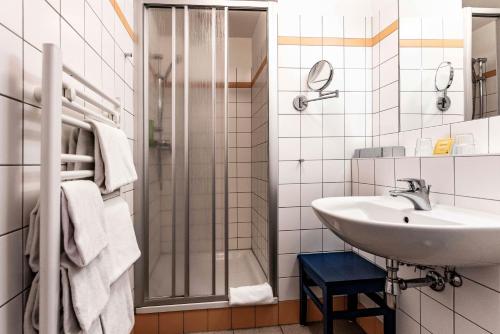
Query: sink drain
[{"x": 406, "y": 220}]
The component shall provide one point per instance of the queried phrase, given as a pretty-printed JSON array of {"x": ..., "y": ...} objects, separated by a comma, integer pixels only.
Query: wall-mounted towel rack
[{"x": 55, "y": 94}]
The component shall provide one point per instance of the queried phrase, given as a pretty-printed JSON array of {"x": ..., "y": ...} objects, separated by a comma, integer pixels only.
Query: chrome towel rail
[{"x": 55, "y": 95}]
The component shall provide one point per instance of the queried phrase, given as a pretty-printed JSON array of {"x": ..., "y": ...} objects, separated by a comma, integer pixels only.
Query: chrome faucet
[{"x": 418, "y": 193}]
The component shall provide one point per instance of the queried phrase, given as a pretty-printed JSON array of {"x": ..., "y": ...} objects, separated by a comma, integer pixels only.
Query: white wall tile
[
  {"x": 311, "y": 240},
  {"x": 289, "y": 242},
  {"x": 72, "y": 11},
  {"x": 10, "y": 64},
  {"x": 289, "y": 218},
  {"x": 11, "y": 266},
  {"x": 484, "y": 184},
  {"x": 289, "y": 172},
  {"x": 333, "y": 171},
  {"x": 439, "y": 173},
  {"x": 289, "y": 148},
  {"x": 11, "y": 316},
  {"x": 289, "y": 195},
  {"x": 384, "y": 172},
  {"x": 464, "y": 326},
  {"x": 41, "y": 23},
  {"x": 436, "y": 317},
  {"x": 289, "y": 126},
  {"x": 470, "y": 300},
  {"x": 310, "y": 192},
  {"x": 289, "y": 56},
  {"x": 311, "y": 148},
  {"x": 311, "y": 171}
]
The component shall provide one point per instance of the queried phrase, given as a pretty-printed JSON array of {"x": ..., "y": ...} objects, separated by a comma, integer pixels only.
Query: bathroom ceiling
[{"x": 242, "y": 23}]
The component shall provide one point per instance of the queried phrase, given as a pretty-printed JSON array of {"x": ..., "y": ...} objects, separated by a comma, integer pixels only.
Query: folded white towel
[
  {"x": 251, "y": 295},
  {"x": 122, "y": 247},
  {"x": 114, "y": 164},
  {"x": 81, "y": 142},
  {"x": 118, "y": 316},
  {"x": 82, "y": 221}
]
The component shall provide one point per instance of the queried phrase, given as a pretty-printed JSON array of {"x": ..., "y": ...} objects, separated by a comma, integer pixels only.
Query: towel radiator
[{"x": 57, "y": 93}]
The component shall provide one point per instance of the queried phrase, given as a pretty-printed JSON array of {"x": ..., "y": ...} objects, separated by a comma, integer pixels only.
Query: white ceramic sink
[{"x": 444, "y": 236}]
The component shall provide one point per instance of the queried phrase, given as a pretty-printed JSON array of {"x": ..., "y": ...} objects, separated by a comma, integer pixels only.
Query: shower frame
[{"x": 141, "y": 283}]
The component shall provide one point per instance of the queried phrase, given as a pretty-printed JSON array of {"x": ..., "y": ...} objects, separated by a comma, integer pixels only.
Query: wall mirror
[
  {"x": 482, "y": 33},
  {"x": 431, "y": 48},
  {"x": 319, "y": 77},
  {"x": 442, "y": 81},
  {"x": 451, "y": 33}
]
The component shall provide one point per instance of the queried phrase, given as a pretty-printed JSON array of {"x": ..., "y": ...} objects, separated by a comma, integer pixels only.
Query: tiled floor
[{"x": 340, "y": 327}]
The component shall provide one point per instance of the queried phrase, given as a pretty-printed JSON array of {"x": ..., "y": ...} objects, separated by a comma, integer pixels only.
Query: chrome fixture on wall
[
  {"x": 478, "y": 87},
  {"x": 418, "y": 194},
  {"x": 442, "y": 81},
  {"x": 320, "y": 76}
]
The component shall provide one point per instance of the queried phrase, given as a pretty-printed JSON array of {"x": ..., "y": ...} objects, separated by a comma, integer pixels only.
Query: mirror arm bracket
[{"x": 301, "y": 102}]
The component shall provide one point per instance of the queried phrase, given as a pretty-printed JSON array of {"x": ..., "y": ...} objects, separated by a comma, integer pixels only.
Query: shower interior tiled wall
[
  {"x": 93, "y": 41},
  {"x": 248, "y": 142},
  {"x": 239, "y": 142}
]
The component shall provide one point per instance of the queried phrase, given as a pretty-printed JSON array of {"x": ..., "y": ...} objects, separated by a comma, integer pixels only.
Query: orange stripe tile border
[
  {"x": 431, "y": 43},
  {"x": 337, "y": 41},
  {"x": 123, "y": 19}
]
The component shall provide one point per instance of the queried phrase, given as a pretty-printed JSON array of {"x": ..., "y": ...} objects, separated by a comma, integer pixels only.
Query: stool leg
[
  {"x": 303, "y": 297},
  {"x": 327, "y": 311},
  {"x": 352, "y": 302},
  {"x": 390, "y": 322}
]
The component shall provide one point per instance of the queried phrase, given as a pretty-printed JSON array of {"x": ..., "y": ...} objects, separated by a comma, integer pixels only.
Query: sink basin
[{"x": 391, "y": 228}]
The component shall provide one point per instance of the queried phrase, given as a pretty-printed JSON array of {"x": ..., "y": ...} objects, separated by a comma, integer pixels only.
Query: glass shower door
[{"x": 187, "y": 183}]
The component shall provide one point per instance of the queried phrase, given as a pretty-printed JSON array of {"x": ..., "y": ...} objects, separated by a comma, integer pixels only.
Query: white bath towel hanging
[
  {"x": 114, "y": 164},
  {"x": 82, "y": 221},
  {"x": 118, "y": 316},
  {"x": 251, "y": 295},
  {"x": 90, "y": 286},
  {"x": 123, "y": 248}
]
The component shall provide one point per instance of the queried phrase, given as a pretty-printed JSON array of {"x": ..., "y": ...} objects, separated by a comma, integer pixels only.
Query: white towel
[
  {"x": 118, "y": 316},
  {"x": 82, "y": 221},
  {"x": 32, "y": 250},
  {"x": 81, "y": 142},
  {"x": 114, "y": 164},
  {"x": 31, "y": 313},
  {"x": 90, "y": 286},
  {"x": 251, "y": 295},
  {"x": 122, "y": 247},
  {"x": 70, "y": 324}
]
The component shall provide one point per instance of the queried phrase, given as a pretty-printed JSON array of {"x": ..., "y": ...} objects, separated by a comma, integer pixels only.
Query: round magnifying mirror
[
  {"x": 444, "y": 76},
  {"x": 320, "y": 76}
]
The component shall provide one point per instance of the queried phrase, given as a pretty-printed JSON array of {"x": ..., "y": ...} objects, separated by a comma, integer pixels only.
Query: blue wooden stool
[{"x": 343, "y": 273}]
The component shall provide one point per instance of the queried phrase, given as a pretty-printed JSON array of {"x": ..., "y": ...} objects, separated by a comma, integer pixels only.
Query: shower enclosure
[{"x": 182, "y": 217}]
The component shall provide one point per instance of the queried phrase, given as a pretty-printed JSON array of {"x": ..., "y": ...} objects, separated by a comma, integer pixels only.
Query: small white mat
[{"x": 251, "y": 295}]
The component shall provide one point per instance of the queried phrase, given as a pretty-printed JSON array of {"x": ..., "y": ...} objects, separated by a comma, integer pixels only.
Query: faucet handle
[{"x": 415, "y": 184}]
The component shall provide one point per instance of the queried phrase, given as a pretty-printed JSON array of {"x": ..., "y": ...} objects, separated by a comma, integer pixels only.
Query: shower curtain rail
[{"x": 54, "y": 96}]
